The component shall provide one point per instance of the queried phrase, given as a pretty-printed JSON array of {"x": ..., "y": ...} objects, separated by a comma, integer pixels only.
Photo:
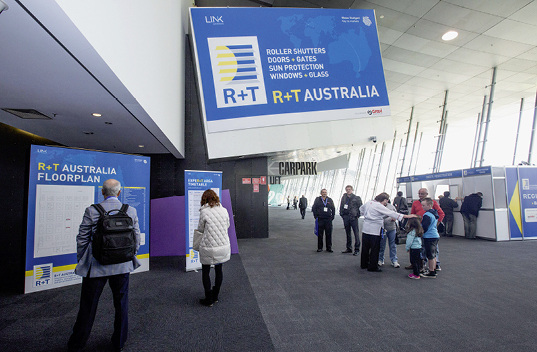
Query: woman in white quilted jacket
[{"x": 211, "y": 240}]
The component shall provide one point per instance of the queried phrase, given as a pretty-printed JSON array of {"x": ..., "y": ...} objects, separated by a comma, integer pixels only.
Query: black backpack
[{"x": 114, "y": 241}]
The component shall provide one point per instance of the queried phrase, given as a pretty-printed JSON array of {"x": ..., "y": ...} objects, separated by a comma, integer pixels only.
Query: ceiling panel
[
  {"x": 434, "y": 31},
  {"x": 498, "y": 46},
  {"x": 416, "y": 8},
  {"x": 526, "y": 10},
  {"x": 459, "y": 17},
  {"x": 514, "y": 31},
  {"x": 429, "y": 47},
  {"x": 500, "y": 8},
  {"x": 475, "y": 57},
  {"x": 409, "y": 57},
  {"x": 401, "y": 67}
]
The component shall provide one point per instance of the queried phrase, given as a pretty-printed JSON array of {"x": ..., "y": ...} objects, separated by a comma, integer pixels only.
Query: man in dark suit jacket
[
  {"x": 303, "y": 204},
  {"x": 349, "y": 210},
  {"x": 324, "y": 212},
  {"x": 95, "y": 275},
  {"x": 447, "y": 205}
]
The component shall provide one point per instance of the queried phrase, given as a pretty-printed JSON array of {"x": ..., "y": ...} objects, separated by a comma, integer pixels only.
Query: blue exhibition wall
[
  {"x": 62, "y": 183},
  {"x": 271, "y": 66}
]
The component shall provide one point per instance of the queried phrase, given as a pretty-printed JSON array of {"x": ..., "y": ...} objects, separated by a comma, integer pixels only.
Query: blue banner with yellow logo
[
  {"x": 63, "y": 182},
  {"x": 271, "y": 66},
  {"x": 527, "y": 184},
  {"x": 522, "y": 201}
]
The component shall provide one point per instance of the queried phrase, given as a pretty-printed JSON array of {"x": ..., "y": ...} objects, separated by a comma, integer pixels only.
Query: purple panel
[
  {"x": 167, "y": 227},
  {"x": 226, "y": 202}
]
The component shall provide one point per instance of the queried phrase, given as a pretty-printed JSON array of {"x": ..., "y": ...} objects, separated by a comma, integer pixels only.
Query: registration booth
[{"x": 509, "y": 210}]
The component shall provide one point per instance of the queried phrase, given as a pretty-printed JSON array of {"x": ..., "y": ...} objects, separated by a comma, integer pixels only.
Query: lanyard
[{"x": 325, "y": 201}]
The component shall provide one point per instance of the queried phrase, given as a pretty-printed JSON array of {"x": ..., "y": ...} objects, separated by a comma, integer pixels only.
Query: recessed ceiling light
[
  {"x": 140, "y": 145},
  {"x": 96, "y": 114},
  {"x": 450, "y": 35}
]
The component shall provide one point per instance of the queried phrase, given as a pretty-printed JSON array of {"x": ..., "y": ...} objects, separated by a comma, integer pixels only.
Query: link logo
[
  {"x": 237, "y": 71},
  {"x": 42, "y": 275}
]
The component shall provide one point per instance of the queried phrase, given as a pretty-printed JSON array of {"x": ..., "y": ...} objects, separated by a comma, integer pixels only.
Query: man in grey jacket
[{"x": 95, "y": 275}]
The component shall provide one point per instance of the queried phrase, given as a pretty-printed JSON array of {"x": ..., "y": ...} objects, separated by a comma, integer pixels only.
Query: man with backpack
[{"x": 95, "y": 273}]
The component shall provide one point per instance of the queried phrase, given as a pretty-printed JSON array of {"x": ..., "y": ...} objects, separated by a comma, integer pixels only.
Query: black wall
[
  {"x": 167, "y": 179},
  {"x": 14, "y": 168}
]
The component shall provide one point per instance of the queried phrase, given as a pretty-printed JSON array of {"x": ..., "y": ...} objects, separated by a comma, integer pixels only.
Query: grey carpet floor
[
  {"x": 164, "y": 314},
  {"x": 280, "y": 294},
  {"x": 484, "y": 299}
]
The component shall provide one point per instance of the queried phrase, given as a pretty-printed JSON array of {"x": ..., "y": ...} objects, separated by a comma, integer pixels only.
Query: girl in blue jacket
[{"x": 413, "y": 245}]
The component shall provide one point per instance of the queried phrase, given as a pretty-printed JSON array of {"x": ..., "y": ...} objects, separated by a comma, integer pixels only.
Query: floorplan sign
[
  {"x": 272, "y": 66},
  {"x": 63, "y": 182}
]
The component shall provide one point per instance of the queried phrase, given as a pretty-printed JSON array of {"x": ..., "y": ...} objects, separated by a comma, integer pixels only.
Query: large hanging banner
[
  {"x": 63, "y": 182},
  {"x": 274, "y": 66},
  {"x": 197, "y": 182}
]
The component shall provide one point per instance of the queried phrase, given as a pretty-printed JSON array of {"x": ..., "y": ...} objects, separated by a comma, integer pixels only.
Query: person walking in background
[
  {"x": 324, "y": 212},
  {"x": 302, "y": 205},
  {"x": 211, "y": 240},
  {"x": 95, "y": 275},
  {"x": 429, "y": 223},
  {"x": 349, "y": 210},
  {"x": 374, "y": 212},
  {"x": 389, "y": 236},
  {"x": 470, "y": 210},
  {"x": 401, "y": 206},
  {"x": 288, "y": 202},
  {"x": 413, "y": 246},
  {"x": 295, "y": 202},
  {"x": 447, "y": 205}
]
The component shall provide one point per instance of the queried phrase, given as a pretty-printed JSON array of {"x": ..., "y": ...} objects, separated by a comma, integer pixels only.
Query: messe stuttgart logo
[{"x": 237, "y": 71}]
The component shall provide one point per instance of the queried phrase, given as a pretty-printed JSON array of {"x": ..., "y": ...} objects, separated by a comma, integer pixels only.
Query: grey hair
[{"x": 111, "y": 187}]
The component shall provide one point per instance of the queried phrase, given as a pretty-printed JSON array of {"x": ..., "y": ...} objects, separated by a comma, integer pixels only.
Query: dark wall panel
[{"x": 14, "y": 167}]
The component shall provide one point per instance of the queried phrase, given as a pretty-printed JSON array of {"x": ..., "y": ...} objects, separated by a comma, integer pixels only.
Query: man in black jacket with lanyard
[
  {"x": 324, "y": 212},
  {"x": 349, "y": 210}
]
